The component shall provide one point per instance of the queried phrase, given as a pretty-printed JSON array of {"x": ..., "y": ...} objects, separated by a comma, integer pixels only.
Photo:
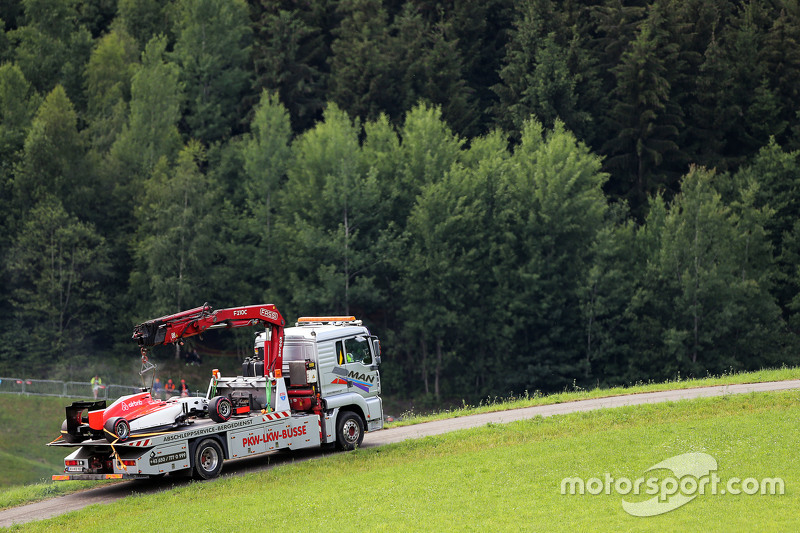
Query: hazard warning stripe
[
  {"x": 145, "y": 442},
  {"x": 276, "y": 416}
]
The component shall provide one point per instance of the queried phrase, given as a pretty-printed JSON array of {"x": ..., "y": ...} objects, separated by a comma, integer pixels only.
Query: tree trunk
[
  {"x": 424, "y": 365},
  {"x": 438, "y": 368}
]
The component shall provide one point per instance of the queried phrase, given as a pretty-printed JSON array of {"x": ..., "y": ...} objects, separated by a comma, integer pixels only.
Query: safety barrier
[{"x": 68, "y": 389}]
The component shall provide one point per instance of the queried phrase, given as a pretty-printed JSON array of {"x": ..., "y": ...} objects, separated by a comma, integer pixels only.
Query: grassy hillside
[
  {"x": 27, "y": 423},
  {"x": 500, "y": 478},
  {"x": 530, "y": 400}
]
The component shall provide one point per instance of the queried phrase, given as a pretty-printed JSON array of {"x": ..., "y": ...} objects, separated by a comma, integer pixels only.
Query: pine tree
[
  {"x": 544, "y": 66},
  {"x": 704, "y": 305},
  {"x": 212, "y": 49},
  {"x": 550, "y": 225},
  {"x": 175, "y": 244},
  {"x": 143, "y": 19},
  {"x": 326, "y": 226},
  {"x": 427, "y": 57},
  {"x": 364, "y": 81},
  {"x": 266, "y": 154},
  {"x": 151, "y": 132},
  {"x": 57, "y": 267},
  {"x": 291, "y": 49},
  {"x": 782, "y": 55},
  {"x": 646, "y": 122},
  {"x": 52, "y": 47},
  {"x": 53, "y": 161},
  {"x": 108, "y": 87}
]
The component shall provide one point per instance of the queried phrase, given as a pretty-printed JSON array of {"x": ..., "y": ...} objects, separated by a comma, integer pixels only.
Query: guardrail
[{"x": 68, "y": 389}]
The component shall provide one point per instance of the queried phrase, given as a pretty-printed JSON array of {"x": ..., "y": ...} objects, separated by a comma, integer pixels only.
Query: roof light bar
[{"x": 309, "y": 320}]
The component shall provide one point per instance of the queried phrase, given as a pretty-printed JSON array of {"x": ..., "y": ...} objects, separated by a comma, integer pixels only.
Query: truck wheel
[
  {"x": 117, "y": 429},
  {"x": 349, "y": 431},
  {"x": 220, "y": 409},
  {"x": 207, "y": 459}
]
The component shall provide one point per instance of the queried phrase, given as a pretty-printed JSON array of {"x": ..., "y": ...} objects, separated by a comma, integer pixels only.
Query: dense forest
[{"x": 513, "y": 194}]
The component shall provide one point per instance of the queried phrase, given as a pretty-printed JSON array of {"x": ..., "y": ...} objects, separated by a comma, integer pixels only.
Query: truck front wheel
[
  {"x": 349, "y": 431},
  {"x": 207, "y": 459}
]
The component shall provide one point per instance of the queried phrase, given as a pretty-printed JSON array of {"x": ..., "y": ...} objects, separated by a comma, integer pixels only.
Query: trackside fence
[{"x": 67, "y": 389}]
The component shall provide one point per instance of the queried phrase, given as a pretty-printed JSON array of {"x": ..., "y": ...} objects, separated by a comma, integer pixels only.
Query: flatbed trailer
[{"x": 199, "y": 448}]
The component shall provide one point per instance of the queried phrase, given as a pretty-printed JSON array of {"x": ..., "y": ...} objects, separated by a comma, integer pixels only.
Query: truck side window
[
  {"x": 339, "y": 353},
  {"x": 357, "y": 351}
]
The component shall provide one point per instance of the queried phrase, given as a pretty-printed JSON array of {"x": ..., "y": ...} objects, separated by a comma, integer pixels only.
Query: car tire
[
  {"x": 208, "y": 459},
  {"x": 349, "y": 431},
  {"x": 117, "y": 429},
  {"x": 67, "y": 436},
  {"x": 220, "y": 409}
]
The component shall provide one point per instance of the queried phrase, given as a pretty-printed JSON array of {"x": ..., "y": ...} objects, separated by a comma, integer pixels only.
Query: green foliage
[
  {"x": 108, "y": 87},
  {"x": 174, "y": 246},
  {"x": 57, "y": 266},
  {"x": 143, "y": 19},
  {"x": 18, "y": 103},
  {"x": 703, "y": 303},
  {"x": 52, "y": 47},
  {"x": 556, "y": 250},
  {"x": 266, "y": 154},
  {"x": 151, "y": 132},
  {"x": 384, "y": 66},
  {"x": 212, "y": 49},
  {"x": 326, "y": 226},
  {"x": 544, "y": 65},
  {"x": 52, "y": 160},
  {"x": 290, "y": 52},
  {"x": 645, "y": 119}
]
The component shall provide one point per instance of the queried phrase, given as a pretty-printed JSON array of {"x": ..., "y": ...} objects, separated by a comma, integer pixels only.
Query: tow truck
[{"x": 315, "y": 384}]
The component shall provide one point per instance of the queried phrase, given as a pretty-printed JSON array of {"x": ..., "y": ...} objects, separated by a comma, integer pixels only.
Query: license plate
[{"x": 74, "y": 469}]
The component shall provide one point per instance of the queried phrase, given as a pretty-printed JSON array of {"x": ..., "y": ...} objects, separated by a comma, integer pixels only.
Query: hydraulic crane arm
[{"x": 172, "y": 328}]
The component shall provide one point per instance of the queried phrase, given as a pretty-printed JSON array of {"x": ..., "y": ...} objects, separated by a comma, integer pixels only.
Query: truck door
[{"x": 355, "y": 355}]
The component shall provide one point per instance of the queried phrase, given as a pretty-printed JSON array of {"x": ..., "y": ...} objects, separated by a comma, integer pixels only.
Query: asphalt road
[{"x": 116, "y": 491}]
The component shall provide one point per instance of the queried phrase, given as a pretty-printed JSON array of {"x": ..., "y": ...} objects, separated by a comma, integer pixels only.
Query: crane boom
[{"x": 169, "y": 329}]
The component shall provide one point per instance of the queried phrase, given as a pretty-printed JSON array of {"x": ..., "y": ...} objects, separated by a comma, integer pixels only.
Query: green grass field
[
  {"x": 534, "y": 399},
  {"x": 499, "y": 478},
  {"x": 27, "y": 423}
]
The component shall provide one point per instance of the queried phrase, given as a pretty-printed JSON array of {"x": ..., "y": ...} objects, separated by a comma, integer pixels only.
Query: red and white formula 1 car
[{"x": 138, "y": 413}]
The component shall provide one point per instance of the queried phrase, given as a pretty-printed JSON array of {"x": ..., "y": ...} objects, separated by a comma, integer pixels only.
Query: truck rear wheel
[
  {"x": 117, "y": 429},
  {"x": 220, "y": 409},
  {"x": 349, "y": 431},
  {"x": 207, "y": 459}
]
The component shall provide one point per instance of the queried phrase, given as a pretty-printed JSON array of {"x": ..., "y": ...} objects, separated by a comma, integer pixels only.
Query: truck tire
[
  {"x": 349, "y": 431},
  {"x": 117, "y": 429},
  {"x": 207, "y": 459},
  {"x": 220, "y": 409}
]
